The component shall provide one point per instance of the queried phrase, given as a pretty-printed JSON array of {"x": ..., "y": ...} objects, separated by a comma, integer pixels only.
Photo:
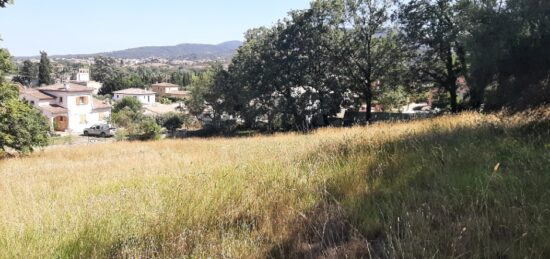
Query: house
[
  {"x": 169, "y": 90},
  {"x": 69, "y": 107},
  {"x": 82, "y": 77},
  {"x": 144, "y": 96}
]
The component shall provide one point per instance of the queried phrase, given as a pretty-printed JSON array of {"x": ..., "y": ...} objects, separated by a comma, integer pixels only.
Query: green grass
[{"x": 422, "y": 189}]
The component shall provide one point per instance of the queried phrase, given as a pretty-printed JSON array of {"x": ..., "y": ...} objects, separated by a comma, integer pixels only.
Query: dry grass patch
[{"x": 335, "y": 192}]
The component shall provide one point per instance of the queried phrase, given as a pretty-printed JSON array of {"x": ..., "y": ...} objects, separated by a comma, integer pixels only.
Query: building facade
[{"x": 69, "y": 107}]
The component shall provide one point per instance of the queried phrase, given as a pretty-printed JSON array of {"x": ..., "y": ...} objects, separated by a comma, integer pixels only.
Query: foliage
[
  {"x": 145, "y": 129},
  {"x": 173, "y": 121},
  {"x": 115, "y": 77},
  {"x": 4, "y": 2},
  {"x": 433, "y": 31},
  {"x": 44, "y": 70},
  {"x": 128, "y": 102},
  {"x": 509, "y": 57},
  {"x": 22, "y": 127},
  {"x": 27, "y": 73}
]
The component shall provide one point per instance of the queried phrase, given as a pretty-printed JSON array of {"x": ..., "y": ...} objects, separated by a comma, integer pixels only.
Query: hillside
[
  {"x": 185, "y": 51},
  {"x": 470, "y": 185}
]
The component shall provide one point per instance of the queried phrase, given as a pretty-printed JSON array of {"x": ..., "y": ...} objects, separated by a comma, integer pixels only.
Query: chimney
[{"x": 66, "y": 86}]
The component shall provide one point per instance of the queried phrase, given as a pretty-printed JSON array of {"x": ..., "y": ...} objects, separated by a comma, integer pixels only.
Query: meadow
[{"x": 468, "y": 185}]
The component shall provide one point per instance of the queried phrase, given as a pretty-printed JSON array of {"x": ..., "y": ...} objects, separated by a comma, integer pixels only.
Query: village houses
[{"x": 69, "y": 107}]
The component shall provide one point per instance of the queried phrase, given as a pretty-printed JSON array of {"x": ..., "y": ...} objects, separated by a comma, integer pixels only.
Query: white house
[
  {"x": 83, "y": 75},
  {"x": 69, "y": 107},
  {"x": 144, "y": 96}
]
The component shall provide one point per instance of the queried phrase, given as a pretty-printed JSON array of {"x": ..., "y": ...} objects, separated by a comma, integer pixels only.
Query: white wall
[
  {"x": 145, "y": 99},
  {"x": 83, "y": 77}
]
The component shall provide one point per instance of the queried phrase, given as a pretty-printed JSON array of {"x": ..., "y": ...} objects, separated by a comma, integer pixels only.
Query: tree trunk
[
  {"x": 368, "y": 100},
  {"x": 454, "y": 103}
]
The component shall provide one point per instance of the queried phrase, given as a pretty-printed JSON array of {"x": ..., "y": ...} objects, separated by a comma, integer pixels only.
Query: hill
[
  {"x": 185, "y": 51},
  {"x": 469, "y": 185}
]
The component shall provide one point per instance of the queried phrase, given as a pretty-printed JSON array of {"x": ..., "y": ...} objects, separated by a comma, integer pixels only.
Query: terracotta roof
[
  {"x": 61, "y": 87},
  {"x": 134, "y": 91},
  {"x": 100, "y": 105},
  {"x": 36, "y": 94},
  {"x": 166, "y": 85},
  {"x": 53, "y": 109}
]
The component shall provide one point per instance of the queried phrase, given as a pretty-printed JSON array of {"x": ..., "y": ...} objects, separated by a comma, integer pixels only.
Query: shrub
[
  {"x": 146, "y": 129},
  {"x": 173, "y": 121},
  {"x": 128, "y": 102}
]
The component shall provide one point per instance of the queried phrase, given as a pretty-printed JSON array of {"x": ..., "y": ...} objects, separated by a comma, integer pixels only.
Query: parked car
[{"x": 101, "y": 130}]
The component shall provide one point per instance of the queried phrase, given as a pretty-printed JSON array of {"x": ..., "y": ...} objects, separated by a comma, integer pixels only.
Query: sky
[{"x": 91, "y": 26}]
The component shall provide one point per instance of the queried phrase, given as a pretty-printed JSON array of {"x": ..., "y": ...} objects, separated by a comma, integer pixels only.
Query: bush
[
  {"x": 173, "y": 121},
  {"x": 128, "y": 102},
  {"x": 146, "y": 129}
]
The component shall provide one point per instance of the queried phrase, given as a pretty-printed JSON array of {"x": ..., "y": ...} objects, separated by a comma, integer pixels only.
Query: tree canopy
[{"x": 22, "y": 127}]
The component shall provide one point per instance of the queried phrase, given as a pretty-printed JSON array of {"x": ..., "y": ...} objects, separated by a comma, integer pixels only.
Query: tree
[
  {"x": 44, "y": 69},
  {"x": 433, "y": 29},
  {"x": 128, "y": 102},
  {"x": 22, "y": 127},
  {"x": 4, "y": 2},
  {"x": 27, "y": 74},
  {"x": 368, "y": 47},
  {"x": 508, "y": 53},
  {"x": 172, "y": 121}
]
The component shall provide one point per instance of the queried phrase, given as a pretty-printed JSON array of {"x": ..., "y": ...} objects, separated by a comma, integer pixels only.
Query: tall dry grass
[{"x": 419, "y": 189}]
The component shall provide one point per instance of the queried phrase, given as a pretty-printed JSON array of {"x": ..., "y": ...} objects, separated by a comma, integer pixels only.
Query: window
[
  {"x": 82, "y": 100},
  {"x": 83, "y": 119},
  {"x": 60, "y": 99},
  {"x": 117, "y": 96},
  {"x": 148, "y": 99}
]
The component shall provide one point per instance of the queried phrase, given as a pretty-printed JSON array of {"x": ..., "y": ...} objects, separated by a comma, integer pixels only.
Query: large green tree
[
  {"x": 368, "y": 46},
  {"x": 22, "y": 127},
  {"x": 508, "y": 53},
  {"x": 27, "y": 73},
  {"x": 434, "y": 29},
  {"x": 44, "y": 69}
]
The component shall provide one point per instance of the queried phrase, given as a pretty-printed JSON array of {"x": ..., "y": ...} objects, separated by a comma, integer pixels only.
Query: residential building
[
  {"x": 83, "y": 75},
  {"x": 144, "y": 96},
  {"x": 169, "y": 90},
  {"x": 69, "y": 107}
]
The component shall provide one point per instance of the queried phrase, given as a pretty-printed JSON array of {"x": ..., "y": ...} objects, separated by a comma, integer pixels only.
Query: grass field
[{"x": 471, "y": 186}]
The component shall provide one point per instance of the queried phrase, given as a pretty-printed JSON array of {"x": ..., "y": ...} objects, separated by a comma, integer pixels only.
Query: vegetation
[
  {"x": 44, "y": 70},
  {"x": 128, "y": 114},
  {"x": 466, "y": 185},
  {"x": 338, "y": 54},
  {"x": 22, "y": 127},
  {"x": 27, "y": 73},
  {"x": 114, "y": 77},
  {"x": 128, "y": 102},
  {"x": 173, "y": 121}
]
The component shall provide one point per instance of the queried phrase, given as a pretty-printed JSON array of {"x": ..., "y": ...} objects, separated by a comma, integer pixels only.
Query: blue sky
[{"x": 90, "y": 26}]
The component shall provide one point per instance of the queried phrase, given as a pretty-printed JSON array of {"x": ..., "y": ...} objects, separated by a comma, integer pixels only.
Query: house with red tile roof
[{"x": 69, "y": 107}]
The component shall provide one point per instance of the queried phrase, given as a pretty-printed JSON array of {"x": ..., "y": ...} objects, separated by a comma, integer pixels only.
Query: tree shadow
[{"x": 435, "y": 194}]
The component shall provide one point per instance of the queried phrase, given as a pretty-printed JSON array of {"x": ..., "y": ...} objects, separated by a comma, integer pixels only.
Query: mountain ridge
[{"x": 187, "y": 51}]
